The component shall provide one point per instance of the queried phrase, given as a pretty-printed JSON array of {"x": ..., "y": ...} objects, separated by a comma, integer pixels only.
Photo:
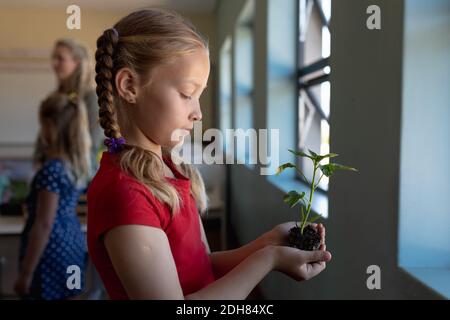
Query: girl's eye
[{"x": 186, "y": 96}]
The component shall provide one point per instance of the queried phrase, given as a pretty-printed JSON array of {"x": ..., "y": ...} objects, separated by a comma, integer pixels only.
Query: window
[
  {"x": 243, "y": 67},
  {"x": 225, "y": 85},
  {"x": 424, "y": 204},
  {"x": 314, "y": 84}
]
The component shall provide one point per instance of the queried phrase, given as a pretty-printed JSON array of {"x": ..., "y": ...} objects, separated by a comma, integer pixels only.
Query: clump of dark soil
[{"x": 308, "y": 241}]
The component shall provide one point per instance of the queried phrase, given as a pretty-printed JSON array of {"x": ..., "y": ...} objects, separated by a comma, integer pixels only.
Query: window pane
[
  {"x": 325, "y": 97},
  {"x": 324, "y": 149},
  {"x": 244, "y": 48},
  {"x": 326, "y": 8},
  {"x": 314, "y": 134},
  {"x": 225, "y": 86},
  {"x": 314, "y": 33},
  {"x": 326, "y": 42},
  {"x": 314, "y": 97}
]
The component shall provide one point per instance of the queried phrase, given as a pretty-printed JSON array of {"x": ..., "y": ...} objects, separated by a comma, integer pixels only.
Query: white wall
[{"x": 21, "y": 93}]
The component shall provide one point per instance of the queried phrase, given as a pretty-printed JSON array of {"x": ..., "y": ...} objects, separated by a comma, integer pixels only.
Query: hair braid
[{"x": 104, "y": 68}]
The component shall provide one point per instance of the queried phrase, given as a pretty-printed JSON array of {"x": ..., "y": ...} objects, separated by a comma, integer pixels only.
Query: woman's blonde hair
[
  {"x": 140, "y": 41},
  {"x": 80, "y": 81},
  {"x": 64, "y": 133}
]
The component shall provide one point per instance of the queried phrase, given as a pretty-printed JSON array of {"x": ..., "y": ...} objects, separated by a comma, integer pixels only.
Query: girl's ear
[{"x": 127, "y": 84}]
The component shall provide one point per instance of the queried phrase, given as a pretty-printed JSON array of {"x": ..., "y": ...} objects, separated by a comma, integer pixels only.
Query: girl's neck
[
  {"x": 138, "y": 138},
  {"x": 55, "y": 155},
  {"x": 64, "y": 85},
  {"x": 67, "y": 85}
]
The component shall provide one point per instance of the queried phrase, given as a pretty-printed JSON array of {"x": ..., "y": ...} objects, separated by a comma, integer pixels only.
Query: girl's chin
[
  {"x": 173, "y": 144},
  {"x": 178, "y": 136}
]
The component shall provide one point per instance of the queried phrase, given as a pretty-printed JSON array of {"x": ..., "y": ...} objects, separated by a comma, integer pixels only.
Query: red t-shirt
[{"x": 115, "y": 198}]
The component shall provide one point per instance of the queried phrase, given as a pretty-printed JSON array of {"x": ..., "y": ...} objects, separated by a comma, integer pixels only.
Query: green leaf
[
  {"x": 330, "y": 168},
  {"x": 293, "y": 197},
  {"x": 281, "y": 168},
  {"x": 327, "y": 169},
  {"x": 300, "y": 154},
  {"x": 317, "y": 157},
  {"x": 313, "y": 154},
  {"x": 342, "y": 167},
  {"x": 329, "y": 155}
]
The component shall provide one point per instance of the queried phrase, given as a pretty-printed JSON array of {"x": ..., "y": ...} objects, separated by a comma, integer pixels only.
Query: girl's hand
[
  {"x": 22, "y": 285},
  {"x": 298, "y": 264},
  {"x": 279, "y": 235}
]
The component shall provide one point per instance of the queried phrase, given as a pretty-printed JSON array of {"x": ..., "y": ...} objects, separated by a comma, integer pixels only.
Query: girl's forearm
[
  {"x": 224, "y": 261},
  {"x": 239, "y": 282},
  {"x": 37, "y": 241}
]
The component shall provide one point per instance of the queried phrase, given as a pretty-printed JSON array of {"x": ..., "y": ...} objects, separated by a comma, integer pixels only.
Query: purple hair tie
[
  {"x": 115, "y": 31},
  {"x": 114, "y": 144}
]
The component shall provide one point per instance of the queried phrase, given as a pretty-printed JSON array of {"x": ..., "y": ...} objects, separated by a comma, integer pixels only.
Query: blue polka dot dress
[{"x": 53, "y": 279}]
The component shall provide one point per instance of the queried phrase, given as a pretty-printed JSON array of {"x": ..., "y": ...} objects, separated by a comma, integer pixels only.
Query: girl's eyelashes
[{"x": 184, "y": 96}]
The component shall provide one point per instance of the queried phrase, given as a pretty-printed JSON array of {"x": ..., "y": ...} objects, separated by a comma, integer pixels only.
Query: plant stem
[
  {"x": 308, "y": 210},
  {"x": 317, "y": 184}
]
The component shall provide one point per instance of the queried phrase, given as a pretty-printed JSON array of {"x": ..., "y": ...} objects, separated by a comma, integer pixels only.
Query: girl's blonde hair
[
  {"x": 64, "y": 123},
  {"x": 141, "y": 41},
  {"x": 80, "y": 81}
]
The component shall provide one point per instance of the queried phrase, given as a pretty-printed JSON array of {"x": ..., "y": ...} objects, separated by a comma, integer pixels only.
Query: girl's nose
[
  {"x": 197, "y": 114},
  {"x": 197, "y": 117}
]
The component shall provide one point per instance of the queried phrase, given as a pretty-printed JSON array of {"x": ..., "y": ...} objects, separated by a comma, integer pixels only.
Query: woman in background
[{"x": 70, "y": 62}]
